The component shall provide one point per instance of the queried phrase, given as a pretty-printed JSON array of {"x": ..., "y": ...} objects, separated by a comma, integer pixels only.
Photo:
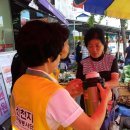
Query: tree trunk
[
  {"x": 118, "y": 44},
  {"x": 123, "y": 32}
]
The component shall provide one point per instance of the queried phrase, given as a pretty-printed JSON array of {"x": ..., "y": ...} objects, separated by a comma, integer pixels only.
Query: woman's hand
[
  {"x": 75, "y": 87},
  {"x": 114, "y": 82},
  {"x": 106, "y": 93}
]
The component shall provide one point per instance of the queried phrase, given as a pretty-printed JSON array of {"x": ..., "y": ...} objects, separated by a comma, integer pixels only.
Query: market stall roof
[
  {"x": 119, "y": 9},
  {"x": 52, "y": 10},
  {"x": 43, "y": 6},
  {"x": 112, "y": 8},
  {"x": 83, "y": 26},
  {"x": 82, "y": 15},
  {"x": 97, "y": 6}
]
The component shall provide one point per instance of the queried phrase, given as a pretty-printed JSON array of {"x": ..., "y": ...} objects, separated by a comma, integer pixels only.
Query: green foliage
[
  {"x": 126, "y": 74},
  {"x": 91, "y": 21},
  {"x": 73, "y": 66}
]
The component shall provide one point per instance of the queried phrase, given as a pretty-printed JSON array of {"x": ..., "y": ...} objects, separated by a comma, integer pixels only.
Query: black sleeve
[
  {"x": 126, "y": 50},
  {"x": 79, "y": 73},
  {"x": 114, "y": 67}
]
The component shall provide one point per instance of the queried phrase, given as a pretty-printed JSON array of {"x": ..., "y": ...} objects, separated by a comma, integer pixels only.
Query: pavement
[{"x": 6, "y": 125}]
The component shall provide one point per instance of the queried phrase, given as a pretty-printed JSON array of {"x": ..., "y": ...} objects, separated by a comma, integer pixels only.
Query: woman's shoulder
[
  {"x": 85, "y": 59},
  {"x": 109, "y": 56}
]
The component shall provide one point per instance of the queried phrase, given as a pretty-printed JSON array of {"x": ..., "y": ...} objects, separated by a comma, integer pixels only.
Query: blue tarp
[{"x": 97, "y": 6}]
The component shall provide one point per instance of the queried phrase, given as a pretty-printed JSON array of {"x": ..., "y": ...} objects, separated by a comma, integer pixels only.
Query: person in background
[
  {"x": 84, "y": 51},
  {"x": 72, "y": 57},
  {"x": 17, "y": 68},
  {"x": 99, "y": 61},
  {"x": 78, "y": 52},
  {"x": 127, "y": 54},
  {"x": 43, "y": 102},
  {"x": 64, "y": 63},
  {"x": 120, "y": 61}
]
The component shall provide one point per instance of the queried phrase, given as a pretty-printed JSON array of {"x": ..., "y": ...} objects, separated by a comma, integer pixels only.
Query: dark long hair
[{"x": 17, "y": 69}]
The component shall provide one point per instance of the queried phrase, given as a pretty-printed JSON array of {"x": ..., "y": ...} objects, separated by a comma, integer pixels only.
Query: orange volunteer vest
[{"x": 32, "y": 103}]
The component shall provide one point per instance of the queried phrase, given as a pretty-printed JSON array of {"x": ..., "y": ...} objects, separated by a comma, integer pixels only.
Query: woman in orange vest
[{"x": 38, "y": 102}]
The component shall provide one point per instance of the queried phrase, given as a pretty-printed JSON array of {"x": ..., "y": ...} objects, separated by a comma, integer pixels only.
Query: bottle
[{"x": 91, "y": 92}]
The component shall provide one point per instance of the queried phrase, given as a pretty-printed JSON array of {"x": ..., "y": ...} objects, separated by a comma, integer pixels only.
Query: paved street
[{"x": 6, "y": 124}]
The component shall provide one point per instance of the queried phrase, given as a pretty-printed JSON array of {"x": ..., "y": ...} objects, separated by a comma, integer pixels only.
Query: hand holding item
[
  {"x": 74, "y": 87},
  {"x": 106, "y": 93}
]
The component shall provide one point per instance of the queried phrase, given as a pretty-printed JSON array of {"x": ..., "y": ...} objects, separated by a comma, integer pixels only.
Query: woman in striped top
[{"x": 99, "y": 61}]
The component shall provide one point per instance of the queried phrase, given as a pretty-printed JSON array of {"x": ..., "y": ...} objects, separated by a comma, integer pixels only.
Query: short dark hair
[
  {"x": 95, "y": 33},
  {"x": 78, "y": 43},
  {"x": 37, "y": 41},
  {"x": 128, "y": 41}
]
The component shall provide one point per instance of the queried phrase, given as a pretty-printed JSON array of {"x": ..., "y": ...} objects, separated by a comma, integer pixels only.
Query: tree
[
  {"x": 91, "y": 20},
  {"x": 124, "y": 25}
]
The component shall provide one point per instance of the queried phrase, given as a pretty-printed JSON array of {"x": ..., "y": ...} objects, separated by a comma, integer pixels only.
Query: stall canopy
[
  {"x": 119, "y": 9},
  {"x": 112, "y": 8},
  {"x": 53, "y": 11},
  {"x": 97, "y": 6}
]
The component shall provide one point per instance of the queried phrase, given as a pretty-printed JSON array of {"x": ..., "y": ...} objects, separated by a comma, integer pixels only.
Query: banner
[
  {"x": 5, "y": 69},
  {"x": 4, "y": 103}
]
